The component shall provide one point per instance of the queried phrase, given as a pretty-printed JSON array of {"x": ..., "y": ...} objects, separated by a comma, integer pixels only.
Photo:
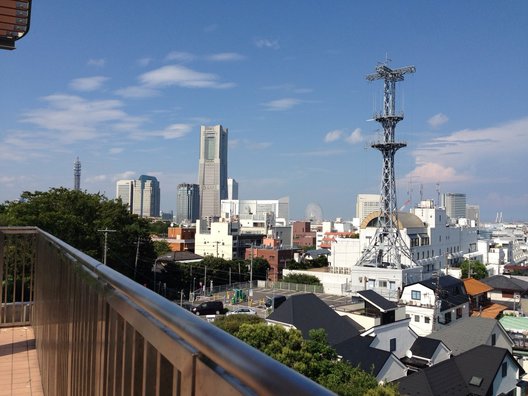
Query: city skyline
[{"x": 128, "y": 96}]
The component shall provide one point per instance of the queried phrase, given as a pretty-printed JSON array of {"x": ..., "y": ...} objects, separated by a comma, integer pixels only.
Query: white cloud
[
  {"x": 437, "y": 120},
  {"x": 173, "y": 131},
  {"x": 282, "y": 104},
  {"x": 355, "y": 136},
  {"x": 332, "y": 136},
  {"x": 96, "y": 62},
  {"x": 248, "y": 144},
  {"x": 137, "y": 92},
  {"x": 181, "y": 76},
  {"x": 180, "y": 56},
  {"x": 225, "y": 57},
  {"x": 460, "y": 155},
  {"x": 144, "y": 62},
  {"x": 87, "y": 84},
  {"x": 116, "y": 150},
  {"x": 127, "y": 175},
  {"x": 267, "y": 43}
]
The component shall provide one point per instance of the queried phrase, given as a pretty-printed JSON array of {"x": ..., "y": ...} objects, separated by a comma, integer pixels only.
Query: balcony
[{"x": 97, "y": 332}]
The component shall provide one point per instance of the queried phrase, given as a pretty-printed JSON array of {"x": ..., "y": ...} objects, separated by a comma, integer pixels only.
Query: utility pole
[
  {"x": 106, "y": 231},
  {"x": 205, "y": 280},
  {"x": 137, "y": 256},
  {"x": 251, "y": 273}
]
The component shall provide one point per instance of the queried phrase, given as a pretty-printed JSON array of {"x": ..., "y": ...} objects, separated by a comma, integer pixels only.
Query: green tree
[
  {"x": 302, "y": 279},
  {"x": 161, "y": 247},
  {"x": 478, "y": 270},
  {"x": 313, "y": 358},
  {"x": 159, "y": 228},
  {"x": 232, "y": 323},
  {"x": 78, "y": 217},
  {"x": 320, "y": 261}
]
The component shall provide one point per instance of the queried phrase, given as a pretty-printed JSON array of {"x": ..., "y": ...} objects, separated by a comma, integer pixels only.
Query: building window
[
  {"x": 447, "y": 317},
  {"x": 416, "y": 318},
  {"x": 392, "y": 285},
  {"x": 493, "y": 339},
  {"x": 382, "y": 283},
  {"x": 459, "y": 313},
  {"x": 504, "y": 369},
  {"x": 416, "y": 294},
  {"x": 427, "y": 319},
  {"x": 392, "y": 344}
]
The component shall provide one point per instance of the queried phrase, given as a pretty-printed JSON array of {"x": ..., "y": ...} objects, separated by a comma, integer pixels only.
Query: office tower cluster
[
  {"x": 142, "y": 195},
  {"x": 193, "y": 201}
]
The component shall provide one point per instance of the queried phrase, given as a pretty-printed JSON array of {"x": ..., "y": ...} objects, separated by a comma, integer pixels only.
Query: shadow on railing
[{"x": 99, "y": 333}]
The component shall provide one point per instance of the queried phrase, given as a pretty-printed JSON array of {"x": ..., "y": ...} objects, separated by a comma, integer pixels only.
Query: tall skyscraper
[
  {"x": 187, "y": 203},
  {"x": 366, "y": 204},
  {"x": 77, "y": 175},
  {"x": 146, "y": 197},
  {"x": 212, "y": 169},
  {"x": 125, "y": 191},
  {"x": 232, "y": 188},
  {"x": 454, "y": 204}
]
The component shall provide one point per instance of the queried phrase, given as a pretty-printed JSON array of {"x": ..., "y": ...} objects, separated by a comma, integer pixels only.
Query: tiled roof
[
  {"x": 491, "y": 311},
  {"x": 307, "y": 312},
  {"x": 475, "y": 287},
  {"x": 425, "y": 347},
  {"x": 472, "y": 373},
  {"x": 456, "y": 335},
  {"x": 501, "y": 282},
  {"x": 377, "y": 300},
  {"x": 357, "y": 351}
]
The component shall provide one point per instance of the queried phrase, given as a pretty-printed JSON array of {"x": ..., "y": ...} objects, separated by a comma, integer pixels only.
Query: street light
[{"x": 14, "y": 21}]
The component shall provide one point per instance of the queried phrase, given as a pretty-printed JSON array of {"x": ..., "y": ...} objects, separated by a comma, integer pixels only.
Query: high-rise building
[
  {"x": 366, "y": 204},
  {"x": 212, "y": 169},
  {"x": 187, "y": 203},
  {"x": 125, "y": 191},
  {"x": 77, "y": 175},
  {"x": 473, "y": 213},
  {"x": 232, "y": 188},
  {"x": 455, "y": 205},
  {"x": 146, "y": 197}
]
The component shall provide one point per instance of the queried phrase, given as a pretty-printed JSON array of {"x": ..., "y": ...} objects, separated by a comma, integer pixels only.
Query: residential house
[
  {"x": 467, "y": 334},
  {"x": 435, "y": 303},
  {"x": 307, "y": 311},
  {"x": 507, "y": 290},
  {"x": 425, "y": 352},
  {"x": 479, "y": 303},
  {"x": 484, "y": 370}
]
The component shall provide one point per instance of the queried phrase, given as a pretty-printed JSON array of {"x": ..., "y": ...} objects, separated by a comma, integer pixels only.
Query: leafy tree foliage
[
  {"x": 232, "y": 323},
  {"x": 478, "y": 270},
  {"x": 313, "y": 358},
  {"x": 159, "y": 228},
  {"x": 161, "y": 247},
  {"x": 302, "y": 279},
  {"x": 77, "y": 217}
]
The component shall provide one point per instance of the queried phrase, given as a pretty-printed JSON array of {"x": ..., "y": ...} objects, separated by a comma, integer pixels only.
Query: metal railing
[{"x": 99, "y": 333}]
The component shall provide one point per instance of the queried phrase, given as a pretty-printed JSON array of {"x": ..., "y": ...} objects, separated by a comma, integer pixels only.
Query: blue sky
[{"x": 126, "y": 86}]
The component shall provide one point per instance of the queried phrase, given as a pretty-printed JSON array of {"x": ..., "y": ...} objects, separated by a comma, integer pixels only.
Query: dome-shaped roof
[{"x": 405, "y": 220}]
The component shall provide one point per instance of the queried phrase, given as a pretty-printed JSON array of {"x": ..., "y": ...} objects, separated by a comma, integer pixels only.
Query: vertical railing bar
[
  {"x": 3, "y": 285},
  {"x": 132, "y": 379},
  {"x": 145, "y": 353},
  {"x": 158, "y": 372},
  {"x": 123, "y": 358},
  {"x": 15, "y": 265}
]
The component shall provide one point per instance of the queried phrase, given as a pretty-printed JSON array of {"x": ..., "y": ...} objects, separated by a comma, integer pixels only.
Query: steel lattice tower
[
  {"x": 387, "y": 246},
  {"x": 77, "y": 175}
]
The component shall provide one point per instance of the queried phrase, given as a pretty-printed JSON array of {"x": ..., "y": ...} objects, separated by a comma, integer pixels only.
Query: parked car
[
  {"x": 275, "y": 301},
  {"x": 209, "y": 308},
  {"x": 242, "y": 311}
]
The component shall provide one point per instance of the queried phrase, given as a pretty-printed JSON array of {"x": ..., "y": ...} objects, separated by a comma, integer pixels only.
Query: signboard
[{"x": 14, "y": 21}]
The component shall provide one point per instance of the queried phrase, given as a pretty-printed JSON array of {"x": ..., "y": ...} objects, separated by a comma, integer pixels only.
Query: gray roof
[
  {"x": 502, "y": 282},
  {"x": 307, "y": 312},
  {"x": 358, "y": 352},
  {"x": 454, "y": 376},
  {"x": 180, "y": 257},
  {"x": 466, "y": 334},
  {"x": 425, "y": 347},
  {"x": 377, "y": 300},
  {"x": 452, "y": 290}
]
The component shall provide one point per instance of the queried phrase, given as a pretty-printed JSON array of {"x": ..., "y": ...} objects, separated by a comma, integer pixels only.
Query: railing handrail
[{"x": 253, "y": 368}]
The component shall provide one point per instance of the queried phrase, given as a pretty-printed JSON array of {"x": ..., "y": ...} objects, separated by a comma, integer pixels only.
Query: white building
[
  {"x": 219, "y": 241},
  {"x": 366, "y": 204},
  {"x": 257, "y": 216},
  {"x": 146, "y": 197},
  {"x": 125, "y": 191},
  {"x": 435, "y": 303}
]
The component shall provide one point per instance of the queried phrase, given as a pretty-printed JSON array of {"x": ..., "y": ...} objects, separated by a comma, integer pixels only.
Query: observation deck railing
[{"x": 99, "y": 333}]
